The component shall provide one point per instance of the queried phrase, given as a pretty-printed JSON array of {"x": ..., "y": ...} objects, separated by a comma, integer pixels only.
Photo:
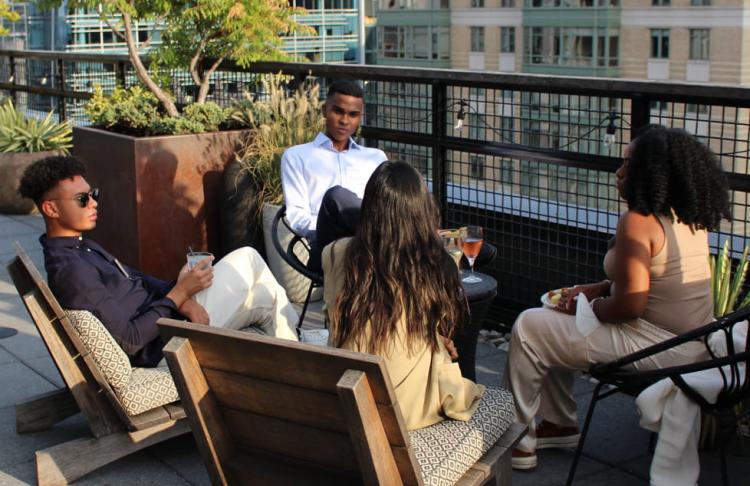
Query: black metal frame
[
  {"x": 623, "y": 379},
  {"x": 288, "y": 255}
]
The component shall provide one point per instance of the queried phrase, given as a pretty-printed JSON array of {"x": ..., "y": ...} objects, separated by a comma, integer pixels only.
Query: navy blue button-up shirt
[{"x": 84, "y": 276}]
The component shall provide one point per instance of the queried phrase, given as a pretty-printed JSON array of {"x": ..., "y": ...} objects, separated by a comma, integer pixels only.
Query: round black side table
[{"x": 480, "y": 296}]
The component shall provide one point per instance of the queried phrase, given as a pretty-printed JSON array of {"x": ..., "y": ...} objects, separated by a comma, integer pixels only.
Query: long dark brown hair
[{"x": 396, "y": 266}]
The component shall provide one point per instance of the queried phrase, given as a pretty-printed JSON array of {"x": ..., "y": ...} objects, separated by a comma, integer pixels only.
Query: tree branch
[
  {"x": 150, "y": 37},
  {"x": 203, "y": 92},
  {"x": 142, "y": 72},
  {"x": 194, "y": 61}
]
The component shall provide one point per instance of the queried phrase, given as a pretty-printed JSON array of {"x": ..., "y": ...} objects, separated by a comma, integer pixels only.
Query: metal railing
[{"x": 522, "y": 155}]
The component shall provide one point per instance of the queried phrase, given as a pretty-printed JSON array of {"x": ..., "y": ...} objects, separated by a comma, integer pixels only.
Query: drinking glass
[
  {"x": 472, "y": 238},
  {"x": 453, "y": 247}
]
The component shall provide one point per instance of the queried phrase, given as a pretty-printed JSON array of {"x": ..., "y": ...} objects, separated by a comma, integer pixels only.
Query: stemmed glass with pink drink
[{"x": 471, "y": 239}]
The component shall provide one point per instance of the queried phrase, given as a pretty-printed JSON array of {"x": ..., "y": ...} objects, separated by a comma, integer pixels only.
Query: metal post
[
  {"x": 120, "y": 74},
  {"x": 13, "y": 92},
  {"x": 640, "y": 112},
  {"x": 439, "y": 109},
  {"x": 61, "y": 100}
]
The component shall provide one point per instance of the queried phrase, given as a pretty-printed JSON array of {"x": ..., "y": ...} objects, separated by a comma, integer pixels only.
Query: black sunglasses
[{"x": 82, "y": 198}]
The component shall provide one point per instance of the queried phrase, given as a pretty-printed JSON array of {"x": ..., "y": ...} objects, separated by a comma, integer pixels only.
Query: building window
[
  {"x": 476, "y": 167},
  {"x": 420, "y": 43},
  {"x": 660, "y": 3},
  {"x": 699, "y": 44},
  {"x": 660, "y": 43},
  {"x": 695, "y": 110},
  {"x": 507, "y": 3},
  {"x": 507, "y": 39},
  {"x": 407, "y": 42},
  {"x": 571, "y": 46},
  {"x": 477, "y": 3},
  {"x": 506, "y": 129},
  {"x": 477, "y": 39},
  {"x": 700, "y": 3}
]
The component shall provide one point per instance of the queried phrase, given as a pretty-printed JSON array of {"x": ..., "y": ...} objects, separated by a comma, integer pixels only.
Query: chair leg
[
  {"x": 584, "y": 432},
  {"x": 724, "y": 473},
  {"x": 64, "y": 463},
  {"x": 304, "y": 308}
]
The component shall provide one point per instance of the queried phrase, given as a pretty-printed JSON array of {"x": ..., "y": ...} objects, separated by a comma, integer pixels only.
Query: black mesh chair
[
  {"x": 290, "y": 257},
  {"x": 620, "y": 377}
]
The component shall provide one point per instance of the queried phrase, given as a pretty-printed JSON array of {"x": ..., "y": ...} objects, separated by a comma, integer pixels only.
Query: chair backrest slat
[
  {"x": 279, "y": 399},
  {"x": 64, "y": 347}
]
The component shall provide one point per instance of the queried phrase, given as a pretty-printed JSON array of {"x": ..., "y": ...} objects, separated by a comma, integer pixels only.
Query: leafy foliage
[
  {"x": 137, "y": 112},
  {"x": 8, "y": 14},
  {"x": 131, "y": 111},
  {"x": 192, "y": 31},
  {"x": 278, "y": 122},
  {"x": 725, "y": 288},
  {"x": 19, "y": 133}
]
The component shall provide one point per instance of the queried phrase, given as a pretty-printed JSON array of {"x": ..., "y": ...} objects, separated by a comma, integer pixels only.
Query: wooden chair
[
  {"x": 115, "y": 433},
  {"x": 267, "y": 411}
]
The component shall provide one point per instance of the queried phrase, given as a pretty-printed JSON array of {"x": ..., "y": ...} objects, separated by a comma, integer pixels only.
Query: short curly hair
[
  {"x": 44, "y": 174},
  {"x": 669, "y": 169}
]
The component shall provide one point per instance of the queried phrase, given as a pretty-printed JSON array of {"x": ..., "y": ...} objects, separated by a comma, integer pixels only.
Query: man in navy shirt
[{"x": 238, "y": 291}]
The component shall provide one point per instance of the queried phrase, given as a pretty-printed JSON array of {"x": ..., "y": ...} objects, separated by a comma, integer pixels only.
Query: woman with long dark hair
[
  {"x": 657, "y": 286},
  {"x": 393, "y": 290}
]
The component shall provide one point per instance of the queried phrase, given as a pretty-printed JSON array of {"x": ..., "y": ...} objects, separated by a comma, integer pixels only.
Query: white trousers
[
  {"x": 546, "y": 349},
  {"x": 244, "y": 292}
]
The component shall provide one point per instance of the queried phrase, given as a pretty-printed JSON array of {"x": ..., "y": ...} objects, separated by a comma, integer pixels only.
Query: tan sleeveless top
[{"x": 679, "y": 297}]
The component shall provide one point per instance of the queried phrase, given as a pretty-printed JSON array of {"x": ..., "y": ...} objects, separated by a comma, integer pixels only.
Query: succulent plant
[{"x": 19, "y": 133}]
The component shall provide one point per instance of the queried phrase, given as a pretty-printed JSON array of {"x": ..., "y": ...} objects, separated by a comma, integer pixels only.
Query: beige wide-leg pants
[
  {"x": 244, "y": 292},
  {"x": 546, "y": 349}
]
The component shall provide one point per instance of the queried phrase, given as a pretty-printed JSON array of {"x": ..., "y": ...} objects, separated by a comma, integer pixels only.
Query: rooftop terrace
[{"x": 529, "y": 164}]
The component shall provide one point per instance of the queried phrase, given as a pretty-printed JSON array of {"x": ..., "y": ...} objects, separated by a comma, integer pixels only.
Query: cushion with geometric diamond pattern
[
  {"x": 446, "y": 450},
  {"x": 138, "y": 389}
]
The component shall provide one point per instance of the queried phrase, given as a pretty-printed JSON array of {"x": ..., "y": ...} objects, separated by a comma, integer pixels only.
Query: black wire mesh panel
[{"x": 550, "y": 223}]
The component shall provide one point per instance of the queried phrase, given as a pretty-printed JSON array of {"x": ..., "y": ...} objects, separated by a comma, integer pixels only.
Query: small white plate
[{"x": 546, "y": 302}]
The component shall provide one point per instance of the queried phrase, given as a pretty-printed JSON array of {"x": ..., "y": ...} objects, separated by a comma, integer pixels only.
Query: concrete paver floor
[{"x": 616, "y": 451}]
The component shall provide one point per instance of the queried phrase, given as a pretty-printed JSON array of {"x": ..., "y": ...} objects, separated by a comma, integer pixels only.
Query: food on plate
[{"x": 557, "y": 294}]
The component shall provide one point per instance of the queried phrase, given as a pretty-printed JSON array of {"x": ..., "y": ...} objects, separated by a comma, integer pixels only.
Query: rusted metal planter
[
  {"x": 159, "y": 194},
  {"x": 12, "y": 167}
]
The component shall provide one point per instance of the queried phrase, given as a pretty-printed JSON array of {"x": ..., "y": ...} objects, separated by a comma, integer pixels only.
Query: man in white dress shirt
[{"x": 324, "y": 180}]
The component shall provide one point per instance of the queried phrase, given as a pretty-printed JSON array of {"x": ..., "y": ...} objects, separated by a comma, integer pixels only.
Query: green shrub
[
  {"x": 137, "y": 112},
  {"x": 131, "y": 111},
  {"x": 210, "y": 115},
  {"x": 19, "y": 133}
]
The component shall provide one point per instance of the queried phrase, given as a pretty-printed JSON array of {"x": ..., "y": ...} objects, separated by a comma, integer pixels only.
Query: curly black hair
[
  {"x": 44, "y": 174},
  {"x": 669, "y": 169}
]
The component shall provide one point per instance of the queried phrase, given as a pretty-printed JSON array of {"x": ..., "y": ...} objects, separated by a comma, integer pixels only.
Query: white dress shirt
[{"x": 310, "y": 169}]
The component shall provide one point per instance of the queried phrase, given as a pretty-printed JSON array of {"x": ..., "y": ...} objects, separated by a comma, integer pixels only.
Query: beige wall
[{"x": 460, "y": 45}]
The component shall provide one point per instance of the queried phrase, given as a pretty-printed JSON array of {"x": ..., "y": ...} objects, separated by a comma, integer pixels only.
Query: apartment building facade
[{"x": 699, "y": 41}]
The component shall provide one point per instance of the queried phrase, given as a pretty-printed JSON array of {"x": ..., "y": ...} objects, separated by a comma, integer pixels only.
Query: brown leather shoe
[
  {"x": 551, "y": 436},
  {"x": 522, "y": 460}
]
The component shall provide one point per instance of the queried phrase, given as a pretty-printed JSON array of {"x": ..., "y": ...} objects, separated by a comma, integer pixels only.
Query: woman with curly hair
[
  {"x": 657, "y": 286},
  {"x": 393, "y": 290}
]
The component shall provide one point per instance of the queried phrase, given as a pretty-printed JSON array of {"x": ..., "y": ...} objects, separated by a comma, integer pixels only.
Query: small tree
[
  {"x": 6, "y": 13},
  {"x": 193, "y": 31},
  {"x": 242, "y": 30}
]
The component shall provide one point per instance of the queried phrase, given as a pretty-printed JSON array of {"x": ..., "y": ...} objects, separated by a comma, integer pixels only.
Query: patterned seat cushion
[
  {"x": 108, "y": 355},
  {"x": 148, "y": 388},
  {"x": 445, "y": 451},
  {"x": 138, "y": 389}
]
